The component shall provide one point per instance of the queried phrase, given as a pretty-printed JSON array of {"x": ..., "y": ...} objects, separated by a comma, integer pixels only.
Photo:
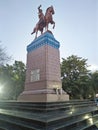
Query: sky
[{"x": 76, "y": 27}]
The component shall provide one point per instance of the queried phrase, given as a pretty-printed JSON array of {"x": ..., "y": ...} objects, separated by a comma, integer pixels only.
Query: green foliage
[
  {"x": 4, "y": 58},
  {"x": 12, "y": 78},
  {"x": 94, "y": 82},
  {"x": 75, "y": 77}
]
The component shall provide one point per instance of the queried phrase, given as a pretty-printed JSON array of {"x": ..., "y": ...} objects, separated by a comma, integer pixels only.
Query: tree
[
  {"x": 4, "y": 58},
  {"x": 75, "y": 77},
  {"x": 6, "y": 83},
  {"x": 94, "y": 82},
  {"x": 19, "y": 70},
  {"x": 12, "y": 78}
]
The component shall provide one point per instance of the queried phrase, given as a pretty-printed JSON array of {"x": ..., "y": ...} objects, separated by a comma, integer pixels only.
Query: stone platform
[{"x": 69, "y": 115}]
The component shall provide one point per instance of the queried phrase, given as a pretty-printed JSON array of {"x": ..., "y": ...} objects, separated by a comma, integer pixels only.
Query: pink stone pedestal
[{"x": 43, "y": 75}]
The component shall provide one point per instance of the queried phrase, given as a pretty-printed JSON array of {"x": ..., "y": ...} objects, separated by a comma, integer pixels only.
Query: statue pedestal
[
  {"x": 43, "y": 75},
  {"x": 27, "y": 97}
]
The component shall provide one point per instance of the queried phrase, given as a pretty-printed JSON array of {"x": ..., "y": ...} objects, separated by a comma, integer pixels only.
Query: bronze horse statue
[
  {"x": 48, "y": 17},
  {"x": 44, "y": 20}
]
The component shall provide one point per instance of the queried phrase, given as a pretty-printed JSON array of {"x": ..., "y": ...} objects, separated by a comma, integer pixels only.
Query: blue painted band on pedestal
[{"x": 45, "y": 39}]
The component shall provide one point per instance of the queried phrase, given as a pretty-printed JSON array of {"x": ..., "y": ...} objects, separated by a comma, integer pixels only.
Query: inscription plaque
[{"x": 35, "y": 75}]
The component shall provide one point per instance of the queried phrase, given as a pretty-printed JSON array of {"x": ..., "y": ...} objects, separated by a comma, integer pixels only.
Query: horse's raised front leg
[{"x": 33, "y": 31}]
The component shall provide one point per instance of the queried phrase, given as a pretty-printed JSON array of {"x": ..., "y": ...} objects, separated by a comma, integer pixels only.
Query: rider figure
[{"x": 40, "y": 15}]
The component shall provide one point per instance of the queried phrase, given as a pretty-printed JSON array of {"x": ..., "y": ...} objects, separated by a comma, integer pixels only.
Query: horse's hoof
[{"x": 31, "y": 33}]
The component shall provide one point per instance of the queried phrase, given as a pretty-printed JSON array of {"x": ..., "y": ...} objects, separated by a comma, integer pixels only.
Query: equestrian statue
[{"x": 44, "y": 20}]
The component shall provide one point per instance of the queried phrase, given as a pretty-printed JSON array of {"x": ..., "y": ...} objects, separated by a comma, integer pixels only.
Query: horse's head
[{"x": 52, "y": 10}]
